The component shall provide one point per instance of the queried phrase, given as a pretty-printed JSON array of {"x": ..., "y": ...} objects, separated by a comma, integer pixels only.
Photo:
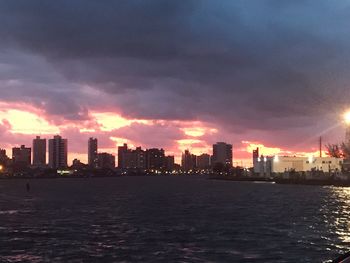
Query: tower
[
  {"x": 92, "y": 152},
  {"x": 58, "y": 148},
  {"x": 39, "y": 152}
]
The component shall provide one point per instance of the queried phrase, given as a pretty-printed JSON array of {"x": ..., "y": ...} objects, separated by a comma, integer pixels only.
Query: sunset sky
[{"x": 175, "y": 74}]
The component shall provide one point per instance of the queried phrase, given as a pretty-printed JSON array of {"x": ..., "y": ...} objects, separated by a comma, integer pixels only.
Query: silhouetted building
[
  {"x": 21, "y": 156},
  {"x": 4, "y": 159},
  {"x": 92, "y": 152},
  {"x": 58, "y": 152},
  {"x": 256, "y": 159},
  {"x": 77, "y": 164},
  {"x": 203, "y": 161},
  {"x": 39, "y": 152},
  {"x": 170, "y": 163},
  {"x": 188, "y": 161},
  {"x": 138, "y": 158},
  {"x": 222, "y": 154},
  {"x": 155, "y": 159},
  {"x": 122, "y": 152},
  {"x": 106, "y": 160}
]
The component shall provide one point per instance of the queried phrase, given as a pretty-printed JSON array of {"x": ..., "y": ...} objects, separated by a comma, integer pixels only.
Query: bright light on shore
[{"x": 347, "y": 117}]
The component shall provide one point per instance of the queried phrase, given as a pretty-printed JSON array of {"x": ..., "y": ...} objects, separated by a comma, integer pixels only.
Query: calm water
[{"x": 164, "y": 219}]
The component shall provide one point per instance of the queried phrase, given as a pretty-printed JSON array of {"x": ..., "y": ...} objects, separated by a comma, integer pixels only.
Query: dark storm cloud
[{"x": 233, "y": 62}]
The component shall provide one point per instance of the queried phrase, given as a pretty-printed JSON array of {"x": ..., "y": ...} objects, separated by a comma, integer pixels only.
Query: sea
[{"x": 171, "y": 219}]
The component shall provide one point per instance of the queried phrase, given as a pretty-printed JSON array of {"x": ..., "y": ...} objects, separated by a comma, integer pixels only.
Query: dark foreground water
[{"x": 166, "y": 219}]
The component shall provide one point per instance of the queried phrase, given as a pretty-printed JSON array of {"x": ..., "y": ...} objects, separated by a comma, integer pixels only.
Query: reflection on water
[
  {"x": 171, "y": 219},
  {"x": 338, "y": 216}
]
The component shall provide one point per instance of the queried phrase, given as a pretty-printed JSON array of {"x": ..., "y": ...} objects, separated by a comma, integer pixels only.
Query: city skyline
[{"x": 253, "y": 78}]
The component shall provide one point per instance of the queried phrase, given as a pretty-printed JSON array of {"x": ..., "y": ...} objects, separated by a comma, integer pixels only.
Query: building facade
[
  {"x": 58, "y": 152},
  {"x": 203, "y": 161},
  {"x": 188, "y": 161},
  {"x": 39, "y": 152},
  {"x": 281, "y": 164},
  {"x": 106, "y": 161},
  {"x": 122, "y": 156},
  {"x": 222, "y": 154},
  {"x": 21, "y": 156},
  {"x": 92, "y": 152},
  {"x": 155, "y": 159}
]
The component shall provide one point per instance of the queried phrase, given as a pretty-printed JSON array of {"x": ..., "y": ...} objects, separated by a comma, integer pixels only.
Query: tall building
[
  {"x": 58, "y": 152},
  {"x": 155, "y": 159},
  {"x": 21, "y": 156},
  {"x": 256, "y": 160},
  {"x": 122, "y": 152},
  {"x": 92, "y": 152},
  {"x": 170, "y": 163},
  {"x": 106, "y": 160},
  {"x": 39, "y": 152},
  {"x": 188, "y": 161},
  {"x": 139, "y": 158},
  {"x": 203, "y": 161},
  {"x": 222, "y": 153}
]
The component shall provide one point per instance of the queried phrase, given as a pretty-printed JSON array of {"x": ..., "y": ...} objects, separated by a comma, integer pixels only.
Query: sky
[{"x": 175, "y": 74}]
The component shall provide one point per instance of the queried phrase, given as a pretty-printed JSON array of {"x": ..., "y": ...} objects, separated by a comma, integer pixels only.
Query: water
[{"x": 171, "y": 219}]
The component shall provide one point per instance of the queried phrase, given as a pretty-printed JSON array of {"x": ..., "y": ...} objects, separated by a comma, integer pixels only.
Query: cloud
[{"x": 258, "y": 70}]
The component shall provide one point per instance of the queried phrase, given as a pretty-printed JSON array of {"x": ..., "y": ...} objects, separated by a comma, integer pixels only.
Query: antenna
[{"x": 321, "y": 146}]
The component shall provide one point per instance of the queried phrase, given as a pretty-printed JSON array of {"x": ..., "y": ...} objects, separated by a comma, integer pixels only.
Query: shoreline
[{"x": 316, "y": 182}]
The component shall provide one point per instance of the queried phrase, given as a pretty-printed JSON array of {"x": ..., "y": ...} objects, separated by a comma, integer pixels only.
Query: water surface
[{"x": 171, "y": 219}]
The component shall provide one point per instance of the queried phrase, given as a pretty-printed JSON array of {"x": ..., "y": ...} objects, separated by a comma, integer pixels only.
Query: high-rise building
[
  {"x": 222, "y": 153},
  {"x": 203, "y": 161},
  {"x": 39, "y": 152},
  {"x": 170, "y": 163},
  {"x": 21, "y": 156},
  {"x": 122, "y": 152},
  {"x": 92, "y": 152},
  {"x": 106, "y": 160},
  {"x": 256, "y": 161},
  {"x": 155, "y": 159},
  {"x": 139, "y": 158},
  {"x": 58, "y": 152},
  {"x": 188, "y": 161}
]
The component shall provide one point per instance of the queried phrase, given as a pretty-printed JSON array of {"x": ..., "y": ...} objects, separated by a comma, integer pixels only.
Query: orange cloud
[
  {"x": 24, "y": 122},
  {"x": 109, "y": 121},
  {"x": 264, "y": 150}
]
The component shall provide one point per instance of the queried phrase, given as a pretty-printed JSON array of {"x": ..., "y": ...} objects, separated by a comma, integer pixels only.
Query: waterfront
[{"x": 165, "y": 219}]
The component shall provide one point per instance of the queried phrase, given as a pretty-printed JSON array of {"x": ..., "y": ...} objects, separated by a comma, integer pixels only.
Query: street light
[{"x": 346, "y": 117}]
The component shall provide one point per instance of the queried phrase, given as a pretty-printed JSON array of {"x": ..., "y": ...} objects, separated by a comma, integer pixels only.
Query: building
[
  {"x": 4, "y": 159},
  {"x": 131, "y": 159},
  {"x": 122, "y": 152},
  {"x": 155, "y": 159},
  {"x": 77, "y": 165},
  {"x": 281, "y": 164},
  {"x": 222, "y": 154},
  {"x": 39, "y": 152},
  {"x": 105, "y": 161},
  {"x": 170, "y": 163},
  {"x": 21, "y": 156},
  {"x": 92, "y": 153},
  {"x": 203, "y": 161},
  {"x": 255, "y": 160},
  {"x": 138, "y": 158},
  {"x": 188, "y": 161},
  {"x": 58, "y": 152}
]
